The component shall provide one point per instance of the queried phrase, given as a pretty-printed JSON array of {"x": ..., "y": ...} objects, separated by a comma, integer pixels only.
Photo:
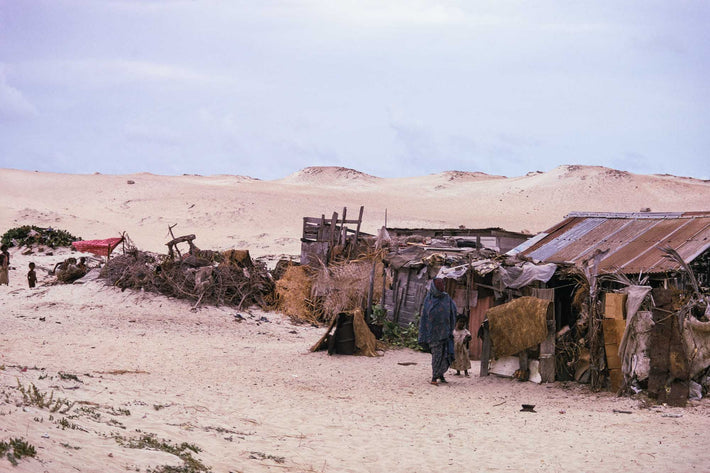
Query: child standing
[
  {"x": 462, "y": 338},
  {"x": 32, "y": 276}
]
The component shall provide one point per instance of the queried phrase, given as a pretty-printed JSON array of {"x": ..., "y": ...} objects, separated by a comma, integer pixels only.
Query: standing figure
[
  {"x": 462, "y": 339},
  {"x": 32, "y": 276},
  {"x": 4, "y": 265},
  {"x": 436, "y": 329}
]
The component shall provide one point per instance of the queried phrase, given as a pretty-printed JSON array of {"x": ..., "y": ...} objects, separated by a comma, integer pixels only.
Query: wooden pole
[
  {"x": 384, "y": 285},
  {"x": 359, "y": 222},
  {"x": 343, "y": 229},
  {"x": 170, "y": 229},
  {"x": 371, "y": 291},
  {"x": 469, "y": 279},
  {"x": 333, "y": 222},
  {"x": 485, "y": 351}
]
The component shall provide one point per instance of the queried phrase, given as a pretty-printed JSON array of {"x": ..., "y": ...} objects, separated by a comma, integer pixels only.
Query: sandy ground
[
  {"x": 252, "y": 398},
  {"x": 248, "y": 395}
]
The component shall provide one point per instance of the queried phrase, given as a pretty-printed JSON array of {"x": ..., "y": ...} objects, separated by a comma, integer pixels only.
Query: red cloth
[{"x": 97, "y": 247}]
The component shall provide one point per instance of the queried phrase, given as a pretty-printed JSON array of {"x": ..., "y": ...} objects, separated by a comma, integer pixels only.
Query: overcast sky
[{"x": 389, "y": 87}]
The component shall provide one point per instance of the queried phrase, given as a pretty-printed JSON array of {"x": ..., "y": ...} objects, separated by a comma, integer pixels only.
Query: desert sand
[{"x": 248, "y": 394}]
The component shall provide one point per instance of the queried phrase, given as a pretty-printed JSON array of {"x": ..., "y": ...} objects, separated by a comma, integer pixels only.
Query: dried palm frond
[
  {"x": 619, "y": 277},
  {"x": 673, "y": 255}
]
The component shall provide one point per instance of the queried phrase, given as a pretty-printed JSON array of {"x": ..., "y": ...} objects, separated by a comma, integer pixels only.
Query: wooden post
[
  {"x": 343, "y": 229},
  {"x": 485, "y": 351},
  {"x": 170, "y": 229},
  {"x": 469, "y": 279},
  {"x": 333, "y": 222},
  {"x": 368, "y": 312},
  {"x": 359, "y": 222},
  {"x": 384, "y": 284},
  {"x": 399, "y": 305}
]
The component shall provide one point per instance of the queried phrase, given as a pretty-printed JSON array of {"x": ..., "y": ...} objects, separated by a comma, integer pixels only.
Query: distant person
[
  {"x": 32, "y": 276},
  {"x": 4, "y": 266},
  {"x": 436, "y": 329},
  {"x": 82, "y": 264},
  {"x": 462, "y": 339}
]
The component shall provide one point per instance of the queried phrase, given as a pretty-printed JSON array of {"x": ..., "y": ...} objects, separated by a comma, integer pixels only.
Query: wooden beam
[
  {"x": 333, "y": 222},
  {"x": 341, "y": 234}
]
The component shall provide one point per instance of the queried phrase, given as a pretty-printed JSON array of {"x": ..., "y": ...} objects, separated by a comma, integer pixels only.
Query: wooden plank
[
  {"x": 613, "y": 330},
  {"x": 613, "y": 362},
  {"x": 359, "y": 222},
  {"x": 332, "y": 234},
  {"x": 342, "y": 234}
]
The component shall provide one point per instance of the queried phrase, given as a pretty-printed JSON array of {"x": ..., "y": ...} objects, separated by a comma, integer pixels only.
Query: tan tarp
[{"x": 519, "y": 324}]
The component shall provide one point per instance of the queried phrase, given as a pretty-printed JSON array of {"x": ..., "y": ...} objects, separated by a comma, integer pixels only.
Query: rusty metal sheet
[
  {"x": 631, "y": 254},
  {"x": 690, "y": 241},
  {"x": 563, "y": 239},
  {"x": 596, "y": 238},
  {"x": 633, "y": 240},
  {"x": 622, "y": 237},
  {"x": 550, "y": 234}
]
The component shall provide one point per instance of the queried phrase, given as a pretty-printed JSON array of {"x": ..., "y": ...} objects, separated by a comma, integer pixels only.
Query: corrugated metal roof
[{"x": 633, "y": 241}]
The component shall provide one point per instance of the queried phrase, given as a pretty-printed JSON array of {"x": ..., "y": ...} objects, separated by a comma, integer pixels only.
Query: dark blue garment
[{"x": 438, "y": 318}]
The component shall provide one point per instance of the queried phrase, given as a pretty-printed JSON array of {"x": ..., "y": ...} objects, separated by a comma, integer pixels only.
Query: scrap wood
[{"x": 155, "y": 273}]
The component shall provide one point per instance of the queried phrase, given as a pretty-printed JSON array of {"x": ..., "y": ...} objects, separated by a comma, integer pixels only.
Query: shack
[
  {"x": 472, "y": 273},
  {"x": 632, "y": 290}
]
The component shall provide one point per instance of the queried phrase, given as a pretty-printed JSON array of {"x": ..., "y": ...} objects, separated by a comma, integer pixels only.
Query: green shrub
[
  {"x": 398, "y": 336},
  {"x": 16, "y": 449},
  {"x": 20, "y": 236}
]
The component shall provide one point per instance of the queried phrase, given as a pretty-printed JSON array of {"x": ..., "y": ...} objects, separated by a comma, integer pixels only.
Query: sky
[{"x": 392, "y": 88}]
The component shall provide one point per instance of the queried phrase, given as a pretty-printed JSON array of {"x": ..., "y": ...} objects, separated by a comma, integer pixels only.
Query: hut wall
[
  {"x": 404, "y": 300},
  {"x": 475, "y": 319}
]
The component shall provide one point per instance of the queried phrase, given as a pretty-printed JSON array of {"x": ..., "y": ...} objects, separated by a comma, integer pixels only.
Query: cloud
[{"x": 13, "y": 105}]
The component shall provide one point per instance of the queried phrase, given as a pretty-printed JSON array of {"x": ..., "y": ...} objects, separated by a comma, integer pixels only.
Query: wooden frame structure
[{"x": 321, "y": 236}]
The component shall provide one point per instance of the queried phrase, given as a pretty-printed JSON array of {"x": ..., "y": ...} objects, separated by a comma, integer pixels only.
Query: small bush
[
  {"x": 16, "y": 449},
  {"x": 395, "y": 335},
  {"x": 28, "y": 235}
]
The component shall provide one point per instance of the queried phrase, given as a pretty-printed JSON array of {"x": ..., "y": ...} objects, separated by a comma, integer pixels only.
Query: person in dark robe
[
  {"x": 4, "y": 265},
  {"x": 436, "y": 328}
]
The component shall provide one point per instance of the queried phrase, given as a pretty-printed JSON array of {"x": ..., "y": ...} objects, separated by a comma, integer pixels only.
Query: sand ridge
[{"x": 237, "y": 211}]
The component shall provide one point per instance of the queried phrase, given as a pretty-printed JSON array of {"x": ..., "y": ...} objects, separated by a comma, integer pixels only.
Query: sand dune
[{"x": 224, "y": 210}]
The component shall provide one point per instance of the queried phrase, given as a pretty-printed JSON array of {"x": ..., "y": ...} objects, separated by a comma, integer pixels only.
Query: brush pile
[{"x": 223, "y": 284}]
